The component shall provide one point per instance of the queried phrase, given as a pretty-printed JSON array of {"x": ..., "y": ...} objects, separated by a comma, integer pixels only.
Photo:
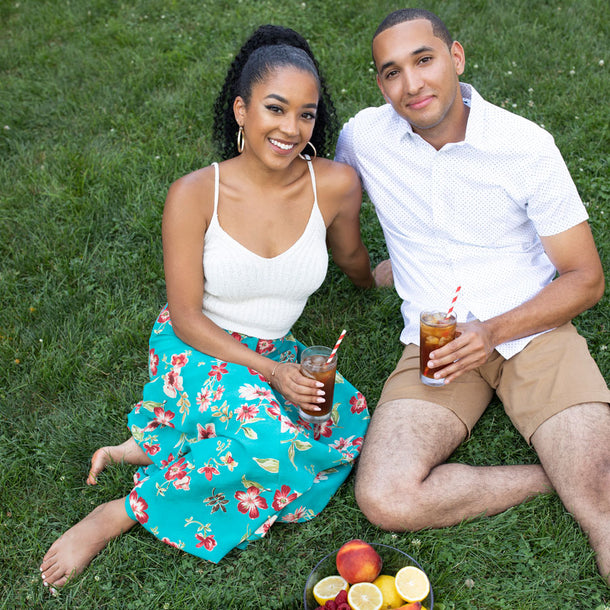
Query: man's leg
[
  {"x": 403, "y": 482},
  {"x": 574, "y": 448}
]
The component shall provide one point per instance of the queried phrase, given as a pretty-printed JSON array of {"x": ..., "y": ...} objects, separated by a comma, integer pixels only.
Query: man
[{"x": 471, "y": 195}]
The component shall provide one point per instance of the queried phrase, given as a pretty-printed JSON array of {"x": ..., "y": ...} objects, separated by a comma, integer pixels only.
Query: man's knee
[{"x": 387, "y": 504}]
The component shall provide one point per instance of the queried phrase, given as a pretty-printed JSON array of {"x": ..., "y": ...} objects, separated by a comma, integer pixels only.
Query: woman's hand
[
  {"x": 383, "y": 275},
  {"x": 295, "y": 387}
]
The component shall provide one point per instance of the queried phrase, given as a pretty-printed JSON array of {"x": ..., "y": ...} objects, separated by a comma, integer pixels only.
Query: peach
[
  {"x": 358, "y": 561},
  {"x": 411, "y": 606}
]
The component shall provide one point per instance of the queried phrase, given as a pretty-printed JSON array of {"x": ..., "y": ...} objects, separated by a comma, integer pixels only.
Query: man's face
[{"x": 418, "y": 75}]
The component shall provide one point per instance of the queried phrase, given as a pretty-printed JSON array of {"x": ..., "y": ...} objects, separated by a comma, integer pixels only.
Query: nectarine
[{"x": 358, "y": 561}]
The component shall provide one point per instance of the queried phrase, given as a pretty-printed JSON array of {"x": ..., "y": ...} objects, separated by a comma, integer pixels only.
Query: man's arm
[{"x": 579, "y": 286}]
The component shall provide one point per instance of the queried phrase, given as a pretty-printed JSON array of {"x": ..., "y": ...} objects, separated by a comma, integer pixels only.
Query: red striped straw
[
  {"x": 457, "y": 292},
  {"x": 337, "y": 344}
]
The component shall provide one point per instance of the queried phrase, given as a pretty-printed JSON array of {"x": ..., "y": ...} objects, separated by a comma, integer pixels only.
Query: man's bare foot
[
  {"x": 72, "y": 552},
  {"x": 129, "y": 452}
]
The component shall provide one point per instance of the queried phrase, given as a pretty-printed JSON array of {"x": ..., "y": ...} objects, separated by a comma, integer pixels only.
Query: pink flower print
[
  {"x": 177, "y": 470},
  {"x": 137, "y": 407},
  {"x": 179, "y": 360},
  {"x": 208, "y": 471},
  {"x": 218, "y": 392},
  {"x": 237, "y": 336},
  {"x": 324, "y": 429},
  {"x": 170, "y": 459},
  {"x": 136, "y": 480},
  {"x": 250, "y": 501},
  {"x": 342, "y": 444},
  {"x": 161, "y": 418},
  {"x": 266, "y": 526},
  {"x": 358, "y": 442},
  {"x": 257, "y": 374},
  {"x": 218, "y": 370},
  {"x": 246, "y": 412},
  {"x": 287, "y": 425},
  {"x": 255, "y": 392},
  {"x": 228, "y": 460},
  {"x": 151, "y": 449},
  {"x": 138, "y": 506},
  {"x": 168, "y": 541},
  {"x": 183, "y": 482},
  {"x": 163, "y": 316},
  {"x": 207, "y": 541},
  {"x": 274, "y": 410},
  {"x": 153, "y": 362},
  {"x": 358, "y": 403},
  {"x": 173, "y": 383},
  {"x": 204, "y": 398},
  {"x": 321, "y": 476},
  {"x": 264, "y": 346},
  {"x": 299, "y": 513},
  {"x": 207, "y": 431},
  {"x": 283, "y": 497}
]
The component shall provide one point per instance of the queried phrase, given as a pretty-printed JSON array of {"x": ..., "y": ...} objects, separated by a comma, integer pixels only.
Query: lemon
[
  {"x": 391, "y": 598},
  {"x": 412, "y": 584},
  {"x": 365, "y": 596},
  {"x": 328, "y": 588}
]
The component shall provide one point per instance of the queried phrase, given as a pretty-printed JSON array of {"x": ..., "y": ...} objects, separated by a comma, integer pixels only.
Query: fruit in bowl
[
  {"x": 358, "y": 561},
  {"x": 385, "y": 578}
]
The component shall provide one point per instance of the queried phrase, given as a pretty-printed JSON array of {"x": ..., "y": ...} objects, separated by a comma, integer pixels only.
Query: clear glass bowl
[{"x": 393, "y": 559}]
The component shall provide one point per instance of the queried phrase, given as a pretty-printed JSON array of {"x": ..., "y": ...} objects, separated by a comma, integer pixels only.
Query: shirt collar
[{"x": 474, "y": 128}]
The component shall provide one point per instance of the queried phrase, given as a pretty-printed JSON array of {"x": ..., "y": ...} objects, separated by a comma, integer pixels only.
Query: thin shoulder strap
[
  {"x": 313, "y": 180},
  {"x": 216, "y": 186}
]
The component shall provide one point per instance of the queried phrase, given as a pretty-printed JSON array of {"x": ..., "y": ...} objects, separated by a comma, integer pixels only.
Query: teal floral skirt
[{"x": 230, "y": 455}]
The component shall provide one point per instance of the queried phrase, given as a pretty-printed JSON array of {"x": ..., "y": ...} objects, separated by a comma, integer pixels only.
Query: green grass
[{"x": 102, "y": 105}]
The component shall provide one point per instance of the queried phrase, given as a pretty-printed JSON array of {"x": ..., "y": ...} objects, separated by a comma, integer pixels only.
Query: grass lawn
[{"x": 102, "y": 105}]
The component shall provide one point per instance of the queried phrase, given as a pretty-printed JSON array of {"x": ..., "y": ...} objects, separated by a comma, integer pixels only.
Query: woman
[{"x": 224, "y": 450}]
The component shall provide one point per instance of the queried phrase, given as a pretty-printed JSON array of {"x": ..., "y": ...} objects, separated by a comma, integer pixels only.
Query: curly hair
[{"x": 262, "y": 49}]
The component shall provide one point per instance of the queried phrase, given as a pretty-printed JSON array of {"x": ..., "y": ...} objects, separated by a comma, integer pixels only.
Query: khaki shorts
[{"x": 553, "y": 372}]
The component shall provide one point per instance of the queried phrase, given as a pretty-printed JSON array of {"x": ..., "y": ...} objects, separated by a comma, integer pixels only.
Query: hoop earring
[
  {"x": 307, "y": 157},
  {"x": 240, "y": 140}
]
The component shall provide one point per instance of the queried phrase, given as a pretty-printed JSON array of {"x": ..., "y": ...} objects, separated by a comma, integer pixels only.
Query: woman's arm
[{"x": 342, "y": 197}]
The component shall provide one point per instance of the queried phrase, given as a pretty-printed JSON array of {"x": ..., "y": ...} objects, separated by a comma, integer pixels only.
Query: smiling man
[{"x": 471, "y": 195}]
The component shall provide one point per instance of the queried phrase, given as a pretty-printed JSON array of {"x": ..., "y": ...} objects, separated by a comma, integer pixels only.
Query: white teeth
[{"x": 281, "y": 145}]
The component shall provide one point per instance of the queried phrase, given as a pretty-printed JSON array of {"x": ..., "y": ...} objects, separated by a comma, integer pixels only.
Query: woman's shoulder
[
  {"x": 192, "y": 196},
  {"x": 194, "y": 184},
  {"x": 335, "y": 176}
]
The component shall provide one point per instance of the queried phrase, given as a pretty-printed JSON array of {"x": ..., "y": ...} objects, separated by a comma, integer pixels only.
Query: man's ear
[{"x": 459, "y": 57}]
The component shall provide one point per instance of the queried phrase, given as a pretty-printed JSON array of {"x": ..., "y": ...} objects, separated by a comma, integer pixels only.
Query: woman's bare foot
[
  {"x": 129, "y": 452},
  {"x": 72, "y": 552}
]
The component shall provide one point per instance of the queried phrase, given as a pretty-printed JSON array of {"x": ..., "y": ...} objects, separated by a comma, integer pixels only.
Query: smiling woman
[{"x": 223, "y": 450}]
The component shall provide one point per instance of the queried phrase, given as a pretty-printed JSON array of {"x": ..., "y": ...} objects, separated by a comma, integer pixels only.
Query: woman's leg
[
  {"x": 72, "y": 552},
  {"x": 128, "y": 452}
]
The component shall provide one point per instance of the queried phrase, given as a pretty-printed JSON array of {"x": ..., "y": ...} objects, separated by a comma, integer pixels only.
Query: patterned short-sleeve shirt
[{"x": 469, "y": 214}]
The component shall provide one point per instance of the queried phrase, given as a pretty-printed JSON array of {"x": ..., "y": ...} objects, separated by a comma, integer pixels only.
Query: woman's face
[{"x": 280, "y": 116}]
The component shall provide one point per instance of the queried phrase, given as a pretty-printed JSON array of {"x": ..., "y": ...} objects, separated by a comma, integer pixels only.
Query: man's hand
[
  {"x": 382, "y": 274},
  {"x": 471, "y": 348}
]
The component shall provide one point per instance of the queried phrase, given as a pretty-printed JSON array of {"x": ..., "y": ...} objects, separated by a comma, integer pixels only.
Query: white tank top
[{"x": 258, "y": 296}]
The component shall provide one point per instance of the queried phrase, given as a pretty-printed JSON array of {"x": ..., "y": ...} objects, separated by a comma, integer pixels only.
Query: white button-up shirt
[{"x": 466, "y": 215}]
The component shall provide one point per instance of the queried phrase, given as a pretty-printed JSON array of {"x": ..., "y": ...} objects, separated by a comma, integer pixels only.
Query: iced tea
[
  {"x": 315, "y": 365},
  {"x": 435, "y": 330}
]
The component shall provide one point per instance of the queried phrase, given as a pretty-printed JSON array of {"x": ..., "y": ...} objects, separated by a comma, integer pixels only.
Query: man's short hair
[{"x": 410, "y": 14}]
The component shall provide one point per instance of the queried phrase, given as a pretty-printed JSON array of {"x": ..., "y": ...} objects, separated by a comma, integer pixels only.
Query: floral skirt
[{"x": 231, "y": 455}]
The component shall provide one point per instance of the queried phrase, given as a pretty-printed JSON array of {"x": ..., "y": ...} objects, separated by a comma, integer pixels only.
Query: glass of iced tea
[
  {"x": 436, "y": 329},
  {"x": 315, "y": 365}
]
